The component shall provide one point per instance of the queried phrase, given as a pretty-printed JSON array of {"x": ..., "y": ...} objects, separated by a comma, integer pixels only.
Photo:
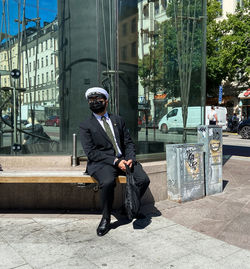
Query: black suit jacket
[{"x": 97, "y": 145}]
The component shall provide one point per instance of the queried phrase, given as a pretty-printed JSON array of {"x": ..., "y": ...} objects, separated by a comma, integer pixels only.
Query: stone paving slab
[{"x": 71, "y": 242}]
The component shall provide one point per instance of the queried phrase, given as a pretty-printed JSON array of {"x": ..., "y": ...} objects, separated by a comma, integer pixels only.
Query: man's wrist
[{"x": 117, "y": 161}]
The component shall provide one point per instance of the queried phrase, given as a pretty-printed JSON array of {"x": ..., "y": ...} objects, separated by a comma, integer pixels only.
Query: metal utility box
[
  {"x": 211, "y": 137},
  {"x": 185, "y": 172}
]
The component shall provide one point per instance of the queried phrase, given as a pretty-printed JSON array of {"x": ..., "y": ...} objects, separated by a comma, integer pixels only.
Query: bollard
[{"x": 74, "y": 155}]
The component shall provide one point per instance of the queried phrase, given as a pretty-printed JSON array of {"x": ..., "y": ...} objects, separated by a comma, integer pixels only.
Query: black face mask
[{"x": 97, "y": 106}]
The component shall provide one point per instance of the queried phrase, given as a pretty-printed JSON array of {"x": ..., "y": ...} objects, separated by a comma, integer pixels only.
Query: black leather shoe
[{"x": 103, "y": 227}]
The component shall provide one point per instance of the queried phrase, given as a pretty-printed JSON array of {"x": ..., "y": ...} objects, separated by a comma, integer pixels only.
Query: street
[{"x": 232, "y": 139}]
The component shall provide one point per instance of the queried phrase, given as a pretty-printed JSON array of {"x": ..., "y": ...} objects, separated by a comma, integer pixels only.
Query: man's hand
[
  {"x": 122, "y": 166},
  {"x": 129, "y": 163}
]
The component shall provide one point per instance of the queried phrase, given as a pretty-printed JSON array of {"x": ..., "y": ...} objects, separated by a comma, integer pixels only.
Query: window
[
  {"x": 133, "y": 49},
  {"x": 47, "y": 95},
  {"x": 41, "y": 62},
  {"x": 172, "y": 113},
  {"x": 38, "y": 79},
  {"x": 42, "y": 78},
  {"x": 124, "y": 53},
  {"x": 51, "y": 42},
  {"x": 145, "y": 37},
  {"x": 145, "y": 11},
  {"x": 26, "y": 82},
  {"x": 133, "y": 26},
  {"x": 34, "y": 65},
  {"x": 157, "y": 8},
  {"x": 124, "y": 29},
  {"x": 29, "y": 52},
  {"x": 47, "y": 60},
  {"x": 42, "y": 95},
  {"x": 51, "y": 59},
  {"x": 240, "y": 3},
  {"x": 47, "y": 76},
  {"x": 30, "y": 66},
  {"x": 46, "y": 44},
  {"x": 38, "y": 64},
  {"x": 52, "y": 75},
  {"x": 221, "y": 3},
  {"x": 41, "y": 46},
  {"x": 34, "y": 79}
]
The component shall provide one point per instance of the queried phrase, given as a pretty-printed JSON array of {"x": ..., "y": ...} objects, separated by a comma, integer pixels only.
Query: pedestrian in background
[{"x": 212, "y": 116}]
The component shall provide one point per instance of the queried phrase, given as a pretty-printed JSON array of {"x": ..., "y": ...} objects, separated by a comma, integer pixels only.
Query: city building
[
  {"x": 9, "y": 60},
  {"x": 229, "y": 7},
  {"x": 240, "y": 105},
  {"x": 40, "y": 68}
]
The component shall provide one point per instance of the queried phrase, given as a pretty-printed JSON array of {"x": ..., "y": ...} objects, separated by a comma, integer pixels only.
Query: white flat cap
[{"x": 96, "y": 90}]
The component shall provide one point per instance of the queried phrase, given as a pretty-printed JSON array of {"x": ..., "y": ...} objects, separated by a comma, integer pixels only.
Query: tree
[
  {"x": 175, "y": 60},
  {"x": 228, "y": 44}
]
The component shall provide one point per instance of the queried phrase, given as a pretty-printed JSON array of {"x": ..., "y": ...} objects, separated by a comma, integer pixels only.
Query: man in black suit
[{"x": 109, "y": 147}]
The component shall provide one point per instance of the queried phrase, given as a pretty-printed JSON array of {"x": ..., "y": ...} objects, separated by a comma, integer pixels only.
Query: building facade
[{"x": 40, "y": 68}]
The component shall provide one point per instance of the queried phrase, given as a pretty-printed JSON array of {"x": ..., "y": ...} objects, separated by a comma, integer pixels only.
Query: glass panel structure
[
  {"x": 149, "y": 56},
  {"x": 30, "y": 111}
]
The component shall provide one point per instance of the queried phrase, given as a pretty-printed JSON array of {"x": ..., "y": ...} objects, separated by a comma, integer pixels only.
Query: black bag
[{"x": 132, "y": 196}]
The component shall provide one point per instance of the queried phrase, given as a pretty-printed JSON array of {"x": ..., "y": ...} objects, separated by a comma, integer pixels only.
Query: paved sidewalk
[
  {"x": 208, "y": 233},
  {"x": 70, "y": 241}
]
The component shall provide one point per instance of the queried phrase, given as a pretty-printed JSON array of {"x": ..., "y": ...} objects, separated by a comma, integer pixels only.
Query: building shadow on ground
[{"x": 229, "y": 151}]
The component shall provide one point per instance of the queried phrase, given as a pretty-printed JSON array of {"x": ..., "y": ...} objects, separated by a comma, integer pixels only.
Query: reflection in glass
[
  {"x": 27, "y": 101},
  {"x": 149, "y": 55},
  {"x": 170, "y": 69}
]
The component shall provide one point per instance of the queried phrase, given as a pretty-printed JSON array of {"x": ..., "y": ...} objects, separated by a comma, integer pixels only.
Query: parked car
[
  {"x": 52, "y": 121},
  {"x": 244, "y": 129},
  {"x": 173, "y": 120}
]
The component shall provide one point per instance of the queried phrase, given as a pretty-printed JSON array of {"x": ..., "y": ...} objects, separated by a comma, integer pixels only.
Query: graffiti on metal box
[
  {"x": 215, "y": 145},
  {"x": 216, "y": 134},
  {"x": 191, "y": 160}
]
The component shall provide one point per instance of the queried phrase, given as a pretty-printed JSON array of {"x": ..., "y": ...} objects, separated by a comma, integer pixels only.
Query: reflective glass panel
[{"x": 149, "y": 56}]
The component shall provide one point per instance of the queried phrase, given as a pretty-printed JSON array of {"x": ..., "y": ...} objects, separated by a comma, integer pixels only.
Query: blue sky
[{"x": 47, "y": 12}]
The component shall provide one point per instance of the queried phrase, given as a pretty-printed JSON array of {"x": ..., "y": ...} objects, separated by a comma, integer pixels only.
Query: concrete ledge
[{"x": 66, "y": 196}]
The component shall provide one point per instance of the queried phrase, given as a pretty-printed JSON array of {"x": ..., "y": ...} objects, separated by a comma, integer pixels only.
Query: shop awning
[{"x": 245, "y": 94}]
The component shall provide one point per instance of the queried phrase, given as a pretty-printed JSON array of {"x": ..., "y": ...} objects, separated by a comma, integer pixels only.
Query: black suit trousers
[{"x": 106, "y": 178}]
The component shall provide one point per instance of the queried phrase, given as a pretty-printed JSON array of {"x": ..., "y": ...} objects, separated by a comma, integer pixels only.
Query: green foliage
[
  {"x": 228, "y": 44},
  {"x": 160, "y": 68}
]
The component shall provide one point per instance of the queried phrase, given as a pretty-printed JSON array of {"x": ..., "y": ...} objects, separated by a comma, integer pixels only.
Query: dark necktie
[{"x": 110, "y": 134}]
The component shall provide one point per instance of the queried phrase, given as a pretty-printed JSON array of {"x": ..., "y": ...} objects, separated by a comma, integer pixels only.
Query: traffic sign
[{"x": 220, "y": 94}]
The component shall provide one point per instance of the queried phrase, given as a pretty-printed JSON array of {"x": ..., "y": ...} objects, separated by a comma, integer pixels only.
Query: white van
[{"x": 173, "y": 121}]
